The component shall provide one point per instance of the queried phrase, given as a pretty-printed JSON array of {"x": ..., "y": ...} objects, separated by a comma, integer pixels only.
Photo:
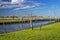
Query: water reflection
[{"x": 21, "y": 26}]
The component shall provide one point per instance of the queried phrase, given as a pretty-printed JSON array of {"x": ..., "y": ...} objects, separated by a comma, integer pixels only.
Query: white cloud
[
  {"x": 9, "y": 6},
  {"x": 18, "y": 4},
  {"x": 24, "y": 7},
  {"x": 21, "y": 1},
  {"x": 28, "y": 6},
  {"x": 17, "y": 1},
  {"x": 5, "y": 3},
  {"x": 14, "y": 1}
]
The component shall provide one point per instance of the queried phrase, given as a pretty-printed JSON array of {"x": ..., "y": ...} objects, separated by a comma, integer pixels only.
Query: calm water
[{"x": 21, "y": 26}]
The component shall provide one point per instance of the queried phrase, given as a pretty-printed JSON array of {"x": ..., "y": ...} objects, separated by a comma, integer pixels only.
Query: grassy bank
[
  {"x": 48, "y": 32},
  {"x": 8, "y": 21}
]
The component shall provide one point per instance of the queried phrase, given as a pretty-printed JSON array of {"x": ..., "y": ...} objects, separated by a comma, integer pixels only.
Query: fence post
[{"x": 4, "y": 28}]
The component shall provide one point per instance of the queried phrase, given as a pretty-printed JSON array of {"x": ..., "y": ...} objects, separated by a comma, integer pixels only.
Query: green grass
[
  {"x": 48, "y": 32},
  {"x": 7, "y": 20}
]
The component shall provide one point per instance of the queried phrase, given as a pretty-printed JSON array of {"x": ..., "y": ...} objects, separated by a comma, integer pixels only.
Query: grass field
[{"x": 48, "y": 32}]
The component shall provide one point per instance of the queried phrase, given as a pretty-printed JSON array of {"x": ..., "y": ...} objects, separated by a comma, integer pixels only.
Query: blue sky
[{"x": 24, "y": 7}]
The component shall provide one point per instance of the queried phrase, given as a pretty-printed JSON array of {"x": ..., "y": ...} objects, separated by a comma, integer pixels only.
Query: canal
[{"x": 21, "y": 26}]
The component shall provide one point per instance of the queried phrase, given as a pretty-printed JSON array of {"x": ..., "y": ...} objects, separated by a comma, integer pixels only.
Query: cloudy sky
[{"x": 24, "y": 7}]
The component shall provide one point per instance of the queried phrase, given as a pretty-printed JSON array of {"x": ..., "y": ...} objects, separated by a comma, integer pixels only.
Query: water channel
[{"x": 21, "y": 26}]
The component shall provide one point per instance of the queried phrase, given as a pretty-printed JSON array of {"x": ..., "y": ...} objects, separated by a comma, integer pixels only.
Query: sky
[{"x": 25, "y": 7}]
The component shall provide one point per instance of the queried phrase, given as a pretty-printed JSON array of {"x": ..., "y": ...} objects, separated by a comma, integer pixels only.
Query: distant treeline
[
  {"x": 9, "y": 16},
  {"x": 18, "y": 16}
]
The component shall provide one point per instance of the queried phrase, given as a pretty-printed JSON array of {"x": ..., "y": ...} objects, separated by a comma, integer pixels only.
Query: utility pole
[
  {"x": 30, "y": 18},
  {"x": 40, "y": 24},
  {"x": 50, "y": 15},
  {"x": 55, "y": 16}
]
